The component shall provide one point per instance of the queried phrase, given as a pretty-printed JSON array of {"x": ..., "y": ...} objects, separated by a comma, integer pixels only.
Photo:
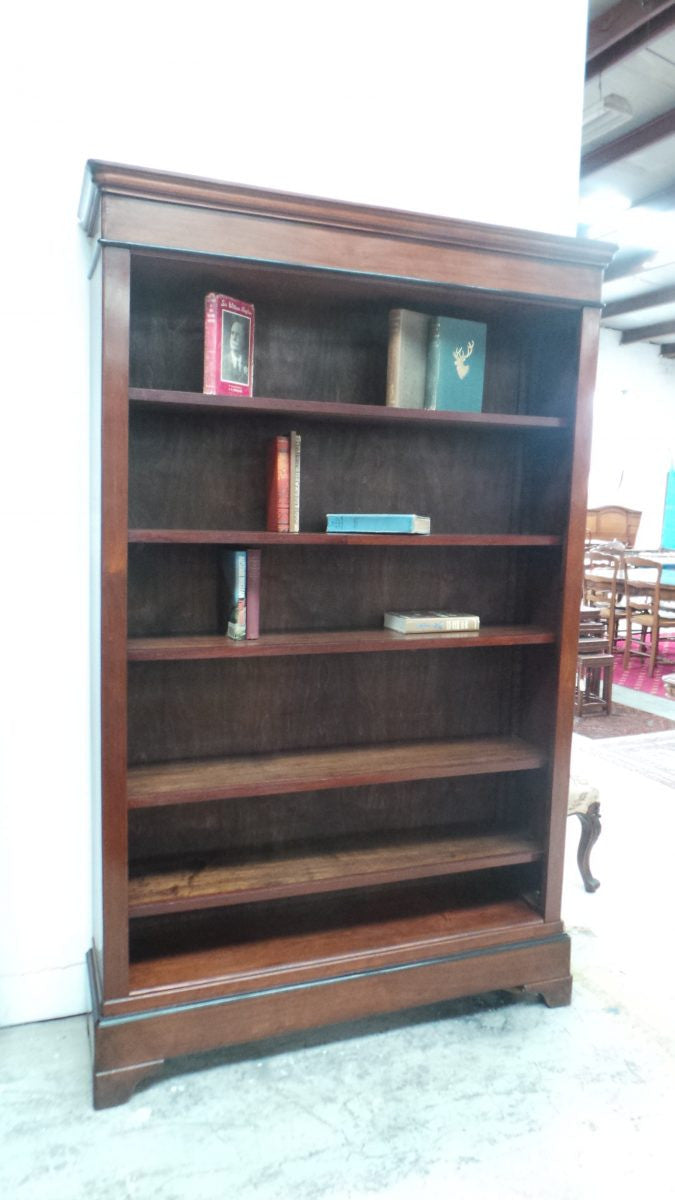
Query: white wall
[
  {"x": 372, "y": 102},
  {"x": 633, "y": 431}
]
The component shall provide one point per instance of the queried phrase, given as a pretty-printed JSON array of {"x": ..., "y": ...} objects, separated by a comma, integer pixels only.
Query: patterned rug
[
  {"x": 622, "y": 722},
  {"x": 651, "y": 755},
  {"x": 636, "y": 676}
]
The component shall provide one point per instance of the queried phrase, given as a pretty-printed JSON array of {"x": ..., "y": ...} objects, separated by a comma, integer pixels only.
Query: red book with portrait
[{"x": 228, "y": 346}]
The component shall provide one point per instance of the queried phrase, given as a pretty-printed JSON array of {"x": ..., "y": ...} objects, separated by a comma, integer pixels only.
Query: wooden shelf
[
  {"x": 317, "y": 770},
  {"x": 304, "y": 870},
  {"x": 359, "y": 641},
  {"x": 259, "y": 537},
  {"x": 319, "y": 938},
  {"x": 367, "y": 414}
]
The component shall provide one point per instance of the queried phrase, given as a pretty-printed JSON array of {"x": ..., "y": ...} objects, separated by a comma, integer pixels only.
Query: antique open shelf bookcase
[{"x": 334, "y": 820}]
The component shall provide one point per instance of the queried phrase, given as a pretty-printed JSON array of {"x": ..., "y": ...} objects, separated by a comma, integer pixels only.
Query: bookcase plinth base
[{"x": 131, "y": 1048}]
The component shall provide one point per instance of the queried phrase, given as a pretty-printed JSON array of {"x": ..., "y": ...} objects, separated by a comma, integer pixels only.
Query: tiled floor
[{"x": 474, "y": 1100}]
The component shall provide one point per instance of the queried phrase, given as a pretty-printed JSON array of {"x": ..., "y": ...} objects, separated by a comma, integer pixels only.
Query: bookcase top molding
[{"x": 120, "y": 183}]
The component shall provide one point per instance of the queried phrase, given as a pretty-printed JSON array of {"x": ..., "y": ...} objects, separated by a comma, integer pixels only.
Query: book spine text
[{"x": 211, "y": 350}]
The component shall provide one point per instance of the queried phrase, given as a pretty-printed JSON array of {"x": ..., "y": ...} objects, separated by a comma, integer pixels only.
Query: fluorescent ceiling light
[{"x": 605, "y": 114}]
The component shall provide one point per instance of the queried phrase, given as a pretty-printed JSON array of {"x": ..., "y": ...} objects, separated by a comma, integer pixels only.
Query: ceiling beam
[
  {"x": 624, "y": 28},
  {"x": 642, "y": 333},
  {"x": 653, "y": 299},
  {"x": 660, "y": 201},
  {"x": 637, "y": 139}
]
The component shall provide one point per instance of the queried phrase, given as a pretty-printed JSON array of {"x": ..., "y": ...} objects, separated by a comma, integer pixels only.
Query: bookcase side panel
[
  {"x": 589, "y": 323},
  {"x": 114, "y": 487},
  {"x": 95, "y": 340}
]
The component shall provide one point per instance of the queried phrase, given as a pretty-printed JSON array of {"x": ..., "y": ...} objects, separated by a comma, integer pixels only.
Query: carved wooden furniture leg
[
  {"x": 590, "y": 832},
  {"x": 584, "y": 801}
]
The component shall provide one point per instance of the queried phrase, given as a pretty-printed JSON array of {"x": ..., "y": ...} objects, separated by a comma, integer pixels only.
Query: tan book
[
  {"x": 431, "y": 622},
  {"x": 407, "y": 358}
]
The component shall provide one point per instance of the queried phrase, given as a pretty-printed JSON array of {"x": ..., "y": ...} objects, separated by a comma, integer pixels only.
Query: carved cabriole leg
[
  {"x": 115, "y": 1087},
  {"x": 590, "y": 832}
]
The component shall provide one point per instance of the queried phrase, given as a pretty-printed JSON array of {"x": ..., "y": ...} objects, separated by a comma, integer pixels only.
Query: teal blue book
[
  {"x": 455, "y": 365},
  {"x": 377, "y": 523},
  {"x": 234, "y": 580}
]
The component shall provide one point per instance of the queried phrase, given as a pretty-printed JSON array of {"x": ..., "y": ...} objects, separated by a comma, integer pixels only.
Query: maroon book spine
[
  {"x": 253, "y": 564},
  {"x": 278, "y": 485}
]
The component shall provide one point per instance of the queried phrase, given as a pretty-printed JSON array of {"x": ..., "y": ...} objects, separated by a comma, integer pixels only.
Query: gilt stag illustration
[{"x": 460, "y": 356}]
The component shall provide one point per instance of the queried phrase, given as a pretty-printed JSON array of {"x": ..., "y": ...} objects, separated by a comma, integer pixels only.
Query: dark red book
[
  {"x": 228, "y": 346},
  {"x": 253, "y": 564},
  {"x": 278, "y": 485}
]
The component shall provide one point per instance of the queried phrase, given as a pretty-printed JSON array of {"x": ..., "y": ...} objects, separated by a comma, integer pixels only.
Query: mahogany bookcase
[{"x": 334, "y": 820}]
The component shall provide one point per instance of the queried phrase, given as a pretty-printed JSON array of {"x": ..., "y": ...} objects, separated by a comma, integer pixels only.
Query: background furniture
[
  {"x": 332, "y": 820},
  {"x": 595, "y": 662},
  {"x": 594, "y": 683},
  {"x": 612, "y": 522},
  {"x": 647, "y": 608},
  {"x": 601, "y": 591}
]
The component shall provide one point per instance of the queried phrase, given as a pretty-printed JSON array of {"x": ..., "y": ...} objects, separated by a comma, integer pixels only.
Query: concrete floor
[{"x": 476, "y": 1099}]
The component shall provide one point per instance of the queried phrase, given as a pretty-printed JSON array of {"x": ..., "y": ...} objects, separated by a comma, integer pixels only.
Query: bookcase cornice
[{"x": 113, "y": 179}]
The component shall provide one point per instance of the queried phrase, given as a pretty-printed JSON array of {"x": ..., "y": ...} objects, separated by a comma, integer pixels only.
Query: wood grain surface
[
  {"x": 181, "y": 782},
  {"x": 308, "y": 869}
]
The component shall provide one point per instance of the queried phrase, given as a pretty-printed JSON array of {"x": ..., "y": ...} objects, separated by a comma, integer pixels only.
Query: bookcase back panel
[
  {"x": 174, "y": 589},
  {"x": 324, "y": 336},
  {"x": 535, "y": 712},
  {"x": 204, "y": 709},
  {"x": 177, "y": 589},
  {"x": 494, "y": 801},
  {"x": 344, "y": 469}
]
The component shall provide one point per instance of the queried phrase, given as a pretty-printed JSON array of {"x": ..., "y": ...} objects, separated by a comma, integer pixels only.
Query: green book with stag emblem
[{"x": 455, "y": 365}]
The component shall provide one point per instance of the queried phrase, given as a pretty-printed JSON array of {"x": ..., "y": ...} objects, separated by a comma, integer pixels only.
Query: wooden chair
[
  {"x": 612, "y": 522},
  {"x": 644, "y": 609},
  {"x": 603, "y": 591}
]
